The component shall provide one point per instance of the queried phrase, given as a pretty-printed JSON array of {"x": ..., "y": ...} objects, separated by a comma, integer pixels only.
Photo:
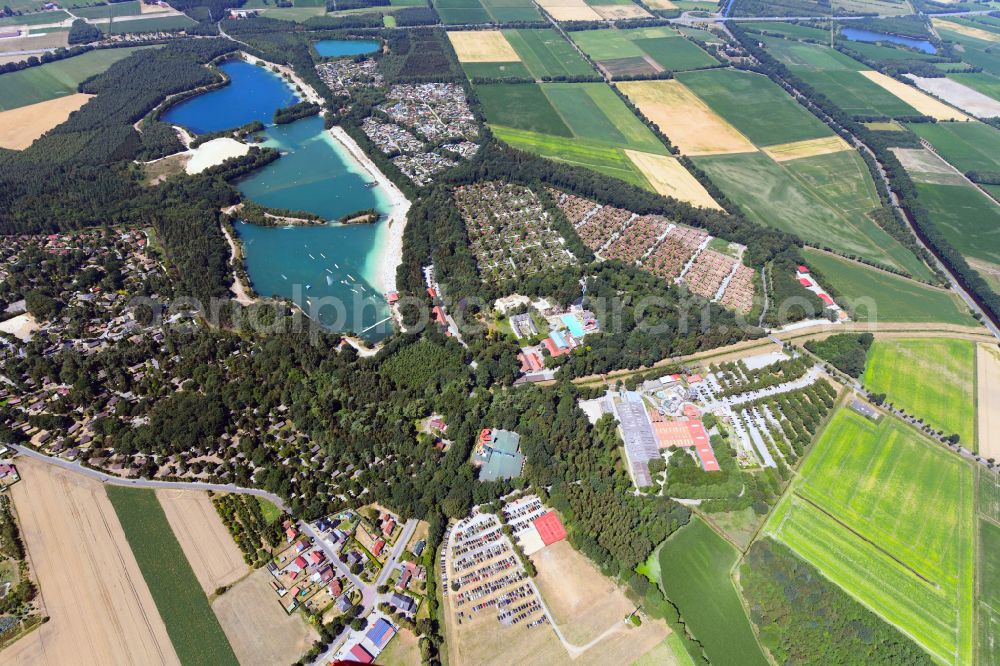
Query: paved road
[{"x": 147, "y": 483}]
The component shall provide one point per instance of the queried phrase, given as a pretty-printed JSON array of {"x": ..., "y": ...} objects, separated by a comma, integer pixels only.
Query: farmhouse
[{"x": 497, "y": 455}]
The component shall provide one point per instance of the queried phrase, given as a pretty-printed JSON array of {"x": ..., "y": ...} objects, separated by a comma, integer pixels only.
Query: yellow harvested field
[
  {"x": 670, "y": 178},
  {"x": 968, "y": 31},
  {"x": 621, "y": 12},
  {"x": 809, "y": 148},
  {"x": 260, "y": 632},
  {"x": 687, "y": 121},
  {"x": 661, "y": 4},
  {"x": 921, "y": 101},
  {"x": 20, "y": 127},
  {"x": 100, "y": 608},
  {"x": 569, "y": 10},
  {"x": 47, "y": 40},
  {"x": 482, "y": 46},
  {"x": 988, "y": 377},
  {"x": 145, "y": 8},
  {"x": 206, "y": 542}
]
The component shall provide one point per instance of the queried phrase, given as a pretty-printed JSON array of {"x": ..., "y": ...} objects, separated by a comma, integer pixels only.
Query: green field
[
  {"x": 39, "y": 18},
  {"x": 892, "y": 298},
  {"x": 825, "y": 200},
  {"x": 987, "y": 84},
  {"x": 193, "y": 628},
  {"x": 585, "y": 124},
  {"x": 889, "y": 517},
  {"x": 496, "y": 70},
  {"x": 989, "y": 593},
  {"x": 968, "y": 218},
  {"x": 148, "y": 25},
  {"x": 663, "y": 45},
  {"x": 755, "y": 105},
  {"x": 837, "y": 76},
  {"x": 546, "y": 54},
  {"x": 792, "y": 30},
  {"x": 967, "y": 146},
  {"x": 885, "y": 54},
  {"x": 457, "y": 12},
  {"x": 128, "y": 8},
  {"x": 696, "y": 563},
  {"x": 55, "y": 79},
  {"x": 932, "y": 379},
  {"x": 270, "y": 512}
]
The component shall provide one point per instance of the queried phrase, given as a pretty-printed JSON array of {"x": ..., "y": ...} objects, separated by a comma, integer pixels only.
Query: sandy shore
[
  {"x": 238, "y": 288},
  {"x": 391, "y": 251},
  {"x": 288, "y": 73},
  {"x": 213, "y": 153}
]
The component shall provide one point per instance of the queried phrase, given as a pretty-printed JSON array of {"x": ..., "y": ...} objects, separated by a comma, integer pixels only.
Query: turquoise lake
[
  {"x": 331, "y": 48},
  {"x": 332, "y": 271},
  {"x": 252, "y": 94}
]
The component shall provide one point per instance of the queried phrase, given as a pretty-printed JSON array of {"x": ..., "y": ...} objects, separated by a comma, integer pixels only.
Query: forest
[{"x": 848, "y": 352}]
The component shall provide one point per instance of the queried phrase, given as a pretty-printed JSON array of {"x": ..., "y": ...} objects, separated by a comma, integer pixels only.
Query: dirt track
[
  {"x": 209, "y": 547},
  {"x": 100, "y": 608}
]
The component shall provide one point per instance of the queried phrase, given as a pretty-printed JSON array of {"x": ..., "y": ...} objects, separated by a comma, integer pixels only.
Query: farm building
[
  {"x": 687, "y": 434},
  {"x": 497, "y": 455}
]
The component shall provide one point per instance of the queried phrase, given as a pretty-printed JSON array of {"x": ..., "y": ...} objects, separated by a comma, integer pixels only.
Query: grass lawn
[
  {"x": 967, "y": 146},
  {"x": 670, "y": 651},
  {"x": 55, "y": 79},
  {"x": 888, "y": 516},
  {"x": 193, "y": 628},
  {"x": 966, "y": 216},
  {"x": 878, "y": 296},
  {"x": 755, "y": 105},
  {"x": 696, "y": 564},
  {"x": 932, "y": 379},
  {"x": 825, "y": 200},
  {"x": 270, "y": 512}
]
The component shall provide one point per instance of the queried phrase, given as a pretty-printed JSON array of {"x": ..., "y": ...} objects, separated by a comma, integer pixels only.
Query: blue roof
[
  {"x": 558, "y": 338},
  {"x": 573, "y": 324},
  {"x": 381, "y": 632}
]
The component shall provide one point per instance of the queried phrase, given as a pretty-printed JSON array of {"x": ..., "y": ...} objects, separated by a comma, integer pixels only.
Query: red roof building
[
  {"x": 300, "y": 562},
  {"x": 335, "y": 588},
  {"x": 554, "y": 349},
  {"x": 803, "y": 269},
  {"x": 439, "y": 315},
  {"x": 316, "y": 556},
  {"x": 691, "y": 411},
  {"x": 377, "y": 547},
  {"x": 825, "y": 298},
  {"x": 388, "y": 527},
  {"x": 431, "y": 292},
  {"x": 805, "y": 282},
  {"x": 391, "y": 297},
  {"x": 550, "y": 528},
  {"x": 360, "y": 654}
]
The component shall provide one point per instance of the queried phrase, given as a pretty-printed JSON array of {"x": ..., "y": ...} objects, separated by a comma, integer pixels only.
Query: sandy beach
[
  {"x": 238, "y": 288},
  {"x": 391, "y": 251},
  {"x": 215, "y": 152}
]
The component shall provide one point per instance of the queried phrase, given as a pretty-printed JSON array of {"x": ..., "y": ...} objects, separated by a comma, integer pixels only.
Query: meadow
[
  {"x": 895, "y": 298},
  {"x": 932, "y": 379},
  {"x": 149, "y": 25},
  {"x": 55, "y": 79},
  {"x": 792, "y": 30},
  {"x": 966, "y": 217},
  {"x": 194, "y": 630},
  {"x": 619, "y": 51},
  {"x": 127, "y": 8},
  {"x": 859, "y": 513},
  {"x": 755, "y": 105},
  {"x": 811, "y": 197},
  {"x": 836, "y": 75},
  {"x": 40, "y": 18},
  {"x": 695, "y": 564},
  {"x": 989, "y": 593},
  {"x": 967, "y": 146}
]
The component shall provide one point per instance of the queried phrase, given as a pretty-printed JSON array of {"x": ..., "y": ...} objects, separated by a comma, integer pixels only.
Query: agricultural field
[
  {"x": 989, "y": 592},
  {"x": 176, "y": 22},
  {"x": 892, "y": 298},
  {"x": 810, "y": 197},
  {"x": 967, "y": 217},
  {"x": 40, "y": 18},
  {"x": 580, "y": 123},
  {"x": 967, "y": 146},
  {"x": 458, "y": 12},
  {"x": 641, "y": 51},
  {"x": 755, "y": 106},
  {"x": 859, "y": 512},
  {"x": 932, "y": 379},
  {"x": 92, "y": 588},
  {"x": 192, "y": 626},
  {"x": 919, "y": 100},
  {"x": 55, "y": 79},
  {"x": 20, "y": 127},
  {"x": 538, "y": 54},
  {"x": 838, "y": 77},
  {"x": 696, "y": 565},
  {"x": 988, "y": 385},
  {"x": 987, "y": 84}
]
